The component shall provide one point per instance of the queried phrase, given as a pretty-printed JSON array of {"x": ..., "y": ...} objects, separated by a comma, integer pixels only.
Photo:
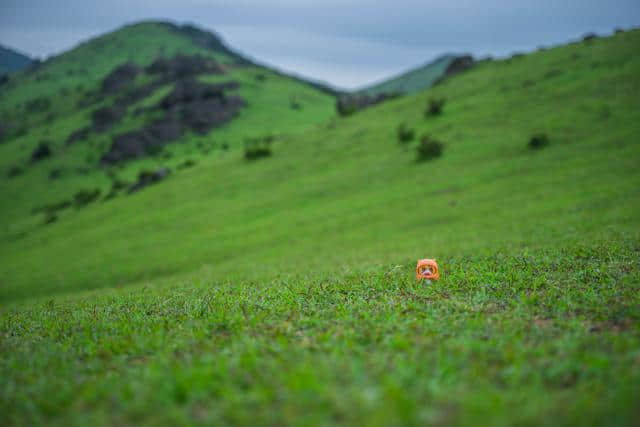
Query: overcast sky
[{"x": 347, "y": 43}]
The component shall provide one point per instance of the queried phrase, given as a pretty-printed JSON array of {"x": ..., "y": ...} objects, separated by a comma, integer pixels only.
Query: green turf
[
  {"x": 281, "y": 291},
  {"x": 545, "y": 337}
]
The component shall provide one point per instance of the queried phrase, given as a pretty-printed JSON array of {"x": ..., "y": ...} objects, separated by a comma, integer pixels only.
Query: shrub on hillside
[
  {"x": 429, "y": 148},
  {"x": 147, "y": 177},
  {"x": 538, "y": 141},
  {"x": 186, "y": 164},
  {"x": 117, "y": 185},
  {"x": 294, "y": 104},
  {"x": 50, "y": 218},
  {"x": 51, "y": 208},
  {"x": 405, "y": 134},
  {"x": 38, "y": 104},
  {"x": 14, "y": 171},
  {"x": 434, "y": 107},
  {"x": 255, "y": 148},
  {"x": 84, "y": 197},
  {"x": 41, "y": 152},
  {"x": 55, "y": 173}
]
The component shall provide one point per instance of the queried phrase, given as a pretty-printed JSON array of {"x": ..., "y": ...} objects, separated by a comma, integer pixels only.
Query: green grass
[
  {"x": 281, "y": 291},
  {"x": 528, "y": 338}
]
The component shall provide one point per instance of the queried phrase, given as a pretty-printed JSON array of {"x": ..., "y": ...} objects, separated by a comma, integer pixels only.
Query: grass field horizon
[{"x": 282, "y": 290}]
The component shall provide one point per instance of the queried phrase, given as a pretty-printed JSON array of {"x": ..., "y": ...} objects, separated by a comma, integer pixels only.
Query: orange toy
[{"x": 427, "y": 269}]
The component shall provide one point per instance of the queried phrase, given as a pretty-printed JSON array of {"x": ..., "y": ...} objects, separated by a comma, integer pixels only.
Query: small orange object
[{"x": 427, "y": 269}]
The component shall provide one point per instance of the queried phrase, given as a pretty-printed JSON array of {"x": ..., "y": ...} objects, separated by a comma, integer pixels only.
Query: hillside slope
[
  {"x": 282, "y": 291},
  {"x": 149, "y": 97},
  {"x": 348, "y": 194},
  {"x": 10, "y": 60}
]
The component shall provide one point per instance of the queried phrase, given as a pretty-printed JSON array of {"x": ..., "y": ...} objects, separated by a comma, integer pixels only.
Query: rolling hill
[
  {"x": 127, "y": 99},
  {"x": 280, "y": 289}
]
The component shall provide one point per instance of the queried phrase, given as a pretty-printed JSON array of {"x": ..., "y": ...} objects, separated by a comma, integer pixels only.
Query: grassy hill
[
  {"x": 76, "y": 105},
  {"x": 412, "y": 81},
  {"x": 281, "y": 290},
  {"x": 10, "y": 60}
]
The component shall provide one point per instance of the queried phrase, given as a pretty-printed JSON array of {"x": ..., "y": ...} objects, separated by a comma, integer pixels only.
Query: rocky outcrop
[
  {"x": 190, "y": 106},
  {"x": 120, "y": 78},
  {"x": 181, "y": 66}
]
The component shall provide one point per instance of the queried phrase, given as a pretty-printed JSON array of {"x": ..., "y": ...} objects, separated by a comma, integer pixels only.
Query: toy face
[{"x": 427, "y": 269}]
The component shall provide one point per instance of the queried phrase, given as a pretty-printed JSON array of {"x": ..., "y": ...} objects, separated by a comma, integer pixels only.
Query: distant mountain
[
  {"x": 414, "y": 80},
  {"x": 10, "y": 60}
]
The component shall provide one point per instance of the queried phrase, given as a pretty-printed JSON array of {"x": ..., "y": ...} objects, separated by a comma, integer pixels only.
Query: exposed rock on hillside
[
  {"x": 105, "y": 117},
  {"x": 130, "y": 145},
  {"x": 79, "y": 135},
  {"x": 183, "y": 66},
  {"x": 461, "y": 63},
  {"x": 190, "y": 106},
  {"x": 458, "y": 65},
  {"x": 189, "y": 90},
  {"x": 120, "y": 77},
  {"x": 146, "y": 178}
]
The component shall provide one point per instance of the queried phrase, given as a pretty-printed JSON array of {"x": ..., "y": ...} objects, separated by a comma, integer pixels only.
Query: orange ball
[{"x": 427, "y": 269}]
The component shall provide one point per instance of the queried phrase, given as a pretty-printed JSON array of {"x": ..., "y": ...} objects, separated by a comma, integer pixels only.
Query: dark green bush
[
  {"x": 52, "y": 208},
  {"x": 429, "y": 148},
  {"x": 49, "y": 218},
  {"x": 42, "y": 151},
  {"x": 538, "y": 141},
  {"x": 294, "y": 104},
  {"x": 186, "y": 164},
  {"x": 55, "y": 173},
  {"x": 14, "y": 171},
  {"x": 117, "y": 185},
  {"x": 38, "y": 104},
  {"x": 84, "y": 197},
  {"x": 434, "y": 107},
  {"x": 255, "y": 148},
  {"x": 405, "y": 134}
]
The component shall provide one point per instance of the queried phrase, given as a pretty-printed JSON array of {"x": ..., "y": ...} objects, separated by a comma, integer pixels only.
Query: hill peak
[{"x": 203, "y": 38}]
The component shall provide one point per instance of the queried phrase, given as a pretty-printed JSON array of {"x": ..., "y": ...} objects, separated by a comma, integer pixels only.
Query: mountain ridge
[
  {"x": 11, "y": 60},
  {"x": 413, "y": 80}
]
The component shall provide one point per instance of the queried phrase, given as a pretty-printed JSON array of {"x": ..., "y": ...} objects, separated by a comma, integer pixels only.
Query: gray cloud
[{"x": 347, "y": 43}]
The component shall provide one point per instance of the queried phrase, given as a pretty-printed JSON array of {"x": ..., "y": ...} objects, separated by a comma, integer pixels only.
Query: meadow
[{"x": 282, "y": 290}]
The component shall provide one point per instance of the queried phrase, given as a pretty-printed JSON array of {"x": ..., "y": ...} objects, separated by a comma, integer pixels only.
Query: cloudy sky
[{"x": 347, "y": 43}]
